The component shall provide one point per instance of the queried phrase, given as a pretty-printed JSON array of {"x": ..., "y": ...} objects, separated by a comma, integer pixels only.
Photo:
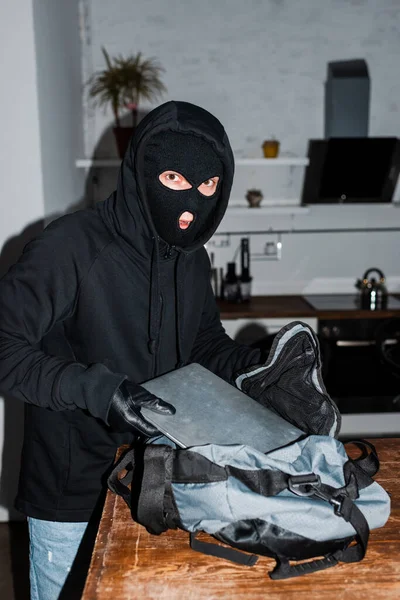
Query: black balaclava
[{"x": 195, "y": 159}]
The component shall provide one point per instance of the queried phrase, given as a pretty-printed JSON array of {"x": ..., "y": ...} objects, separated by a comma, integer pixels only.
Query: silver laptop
[{"x": 210, "y": 410}]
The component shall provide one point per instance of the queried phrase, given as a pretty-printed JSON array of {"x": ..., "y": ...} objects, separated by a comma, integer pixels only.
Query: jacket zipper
[
  {"x": 155, "y": 356},
  {"x": 167, "y": 254}
]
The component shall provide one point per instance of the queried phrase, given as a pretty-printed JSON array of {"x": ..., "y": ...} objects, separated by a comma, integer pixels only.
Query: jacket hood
[
  {"x": 127, "y": 212},
  {"x": 128, "y": 207}
]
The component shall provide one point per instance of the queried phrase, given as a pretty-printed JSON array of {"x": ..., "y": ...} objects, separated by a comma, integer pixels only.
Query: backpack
[{"x": 298, "y": 502}]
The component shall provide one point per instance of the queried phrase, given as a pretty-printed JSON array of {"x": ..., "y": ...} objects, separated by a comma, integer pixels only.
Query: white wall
[
  {"x": 40, "y": 113},
  {"x": 260, "y": 66},
  {"x": 313, "y": 263},
  {"x": 21, "y": 197},
  {"x": 59, "y": 85}
]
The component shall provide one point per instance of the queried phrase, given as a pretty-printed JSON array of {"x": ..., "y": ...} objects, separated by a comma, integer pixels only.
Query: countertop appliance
[
  {"x": 361, "y": 356},
  {"x": 373, "y": 292},
  {"x": 344, "y": 302}
]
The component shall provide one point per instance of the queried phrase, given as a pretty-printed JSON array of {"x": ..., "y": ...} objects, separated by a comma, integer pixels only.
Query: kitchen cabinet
[
  {"x": 263, "y": 316},
  {"x": 366, "y": 410}
]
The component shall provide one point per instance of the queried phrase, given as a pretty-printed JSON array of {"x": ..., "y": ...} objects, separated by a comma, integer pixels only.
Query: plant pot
[
  {"x": 254, "y": 198},
  {"x": 122, "y": 138},
  {"x": 270, "y": 148}
]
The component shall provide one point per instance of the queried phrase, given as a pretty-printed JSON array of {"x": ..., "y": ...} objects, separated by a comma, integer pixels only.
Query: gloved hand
[{"x": 124, "y": 413}]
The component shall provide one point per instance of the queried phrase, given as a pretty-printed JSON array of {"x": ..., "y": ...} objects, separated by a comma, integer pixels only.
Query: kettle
[{"x": 374, "y": 294}]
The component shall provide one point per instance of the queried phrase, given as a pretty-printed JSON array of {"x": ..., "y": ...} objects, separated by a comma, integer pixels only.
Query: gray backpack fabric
[{"x": 305, "y": 500}]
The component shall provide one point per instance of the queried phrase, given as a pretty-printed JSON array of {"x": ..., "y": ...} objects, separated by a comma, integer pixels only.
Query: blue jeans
[{"x": 53, "y": 548}]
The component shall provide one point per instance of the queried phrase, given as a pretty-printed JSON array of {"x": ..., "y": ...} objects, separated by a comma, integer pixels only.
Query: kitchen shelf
[
  {"x": 293, "y": 231},
  {"x": 85, "y": 163},
  {"x": 272, "y": 162},
  {"x": 275, "y": 209}
]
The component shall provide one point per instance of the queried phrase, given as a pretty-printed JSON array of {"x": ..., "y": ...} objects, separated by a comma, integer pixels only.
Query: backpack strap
[
  {"x": 266, "y": 482},
  {"x": 149, "y": 471},
  {"x": 344, "y": 507},
  {"x": 120, "y": 485},
  {"x": 236, "y": 556},
  {"x": 150, "y": 507},
  {"x": 368, "y": 461},
  {"x": 196, "y": 468},
  {"x": 284, "y": 570}
]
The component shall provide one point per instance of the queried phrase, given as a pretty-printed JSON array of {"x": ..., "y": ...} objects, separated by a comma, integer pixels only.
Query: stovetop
[{"x": 344, "y": 302}]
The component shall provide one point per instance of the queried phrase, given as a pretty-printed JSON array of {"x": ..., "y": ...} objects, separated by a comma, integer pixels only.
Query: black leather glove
[{"x": 124, "y": 412}]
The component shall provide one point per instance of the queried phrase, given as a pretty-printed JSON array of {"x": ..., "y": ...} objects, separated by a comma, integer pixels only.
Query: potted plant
[{"x": 123, "y": 84}]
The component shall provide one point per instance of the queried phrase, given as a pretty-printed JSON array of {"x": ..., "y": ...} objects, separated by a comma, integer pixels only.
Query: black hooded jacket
[{"x": 87, "y": 306}]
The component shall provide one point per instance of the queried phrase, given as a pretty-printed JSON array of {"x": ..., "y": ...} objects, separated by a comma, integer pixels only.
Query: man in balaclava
[
  {"x": 182, "y": 181},
  {"x": 102, "y": 301},
  {"x": 181, "y": 205}
]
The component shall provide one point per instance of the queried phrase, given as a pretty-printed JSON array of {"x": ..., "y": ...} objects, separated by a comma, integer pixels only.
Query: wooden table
[{"x": 129, "y": 563}]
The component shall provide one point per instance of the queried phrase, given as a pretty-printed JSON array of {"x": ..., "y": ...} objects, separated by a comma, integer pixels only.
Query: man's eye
[
  {"x": 172, "y": 177},
  {"x": 209, "y": 182}
]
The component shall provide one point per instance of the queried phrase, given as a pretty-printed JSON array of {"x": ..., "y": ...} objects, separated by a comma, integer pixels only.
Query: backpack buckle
[
  {"x": 310, "y": 485},
  {"x": 304, "y": 485},
  {"x": 337, "y": 504}
]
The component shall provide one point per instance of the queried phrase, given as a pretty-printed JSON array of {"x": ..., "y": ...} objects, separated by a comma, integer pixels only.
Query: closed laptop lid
[{"x": 211, "y": 411}]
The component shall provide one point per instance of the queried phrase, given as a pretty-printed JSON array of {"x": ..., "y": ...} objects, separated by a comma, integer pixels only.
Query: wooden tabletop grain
[{"x": 129, "y": 563}]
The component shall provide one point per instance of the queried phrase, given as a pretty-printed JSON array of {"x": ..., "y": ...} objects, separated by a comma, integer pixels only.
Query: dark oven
[{"x": 361, "y": 363}]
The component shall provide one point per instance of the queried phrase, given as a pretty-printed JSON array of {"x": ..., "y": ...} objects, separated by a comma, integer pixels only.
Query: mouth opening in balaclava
[{"x": 181, "y": 216}]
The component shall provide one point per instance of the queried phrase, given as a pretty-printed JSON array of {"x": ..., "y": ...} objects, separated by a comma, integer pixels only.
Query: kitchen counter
[{"x": 261, "y": 307}]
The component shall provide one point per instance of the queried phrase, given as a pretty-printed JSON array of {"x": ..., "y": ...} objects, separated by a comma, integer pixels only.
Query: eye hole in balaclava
[{"x": 196, "y": 161}]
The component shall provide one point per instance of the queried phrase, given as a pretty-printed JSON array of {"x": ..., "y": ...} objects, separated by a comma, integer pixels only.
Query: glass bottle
[
  {"x": 245, "y": 279},
  {"x": 231, "y": 284}
]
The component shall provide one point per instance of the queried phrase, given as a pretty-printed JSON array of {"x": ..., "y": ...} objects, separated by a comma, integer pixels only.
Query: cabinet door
[{"x": 249, "y": 331}]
